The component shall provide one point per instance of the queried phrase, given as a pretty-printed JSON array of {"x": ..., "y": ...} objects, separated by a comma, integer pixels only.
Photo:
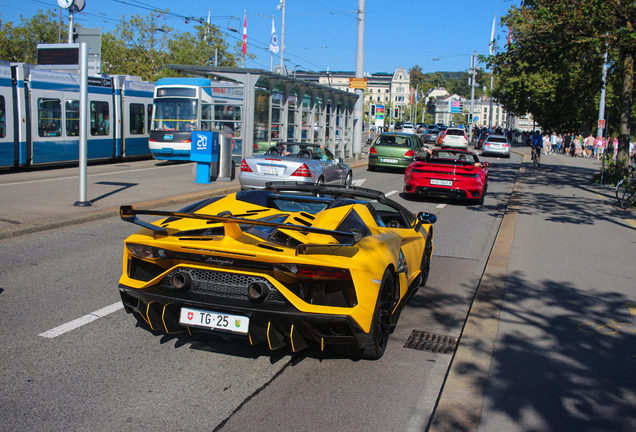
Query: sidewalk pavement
[{"x": 43, "y": 199}]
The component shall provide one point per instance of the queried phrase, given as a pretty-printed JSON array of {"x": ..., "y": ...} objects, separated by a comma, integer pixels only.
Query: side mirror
[
  {"x": 428, "y": 218},
  {"x": 340, "y": 160},
  {"x": 486, "y": 164}
]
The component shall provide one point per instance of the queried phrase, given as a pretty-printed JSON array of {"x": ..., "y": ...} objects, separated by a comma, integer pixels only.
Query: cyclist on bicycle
[{"x": 537, "y": 146}]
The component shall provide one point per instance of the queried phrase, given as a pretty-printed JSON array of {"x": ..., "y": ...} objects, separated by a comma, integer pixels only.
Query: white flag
[
  {"x": 273, "y": 42},
  {"x": 492, "y": 35}
]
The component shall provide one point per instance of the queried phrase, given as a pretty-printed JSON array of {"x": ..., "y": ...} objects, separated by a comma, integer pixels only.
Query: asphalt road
[{"x": 113, "y": 374}]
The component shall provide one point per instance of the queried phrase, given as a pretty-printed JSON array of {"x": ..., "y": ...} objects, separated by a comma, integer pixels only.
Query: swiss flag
[{"x": 190, "y": 316}]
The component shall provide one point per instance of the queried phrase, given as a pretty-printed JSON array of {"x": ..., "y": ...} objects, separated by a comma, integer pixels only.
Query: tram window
[
  {"x": 72, "y": 118},
  {"x": 3, "y": 130},
  {"x": 137, "y": 126},
  {"x": 49, "y": 117},
  {"x": 150, "y": 108},
  {"x": 100, "y": 122}
]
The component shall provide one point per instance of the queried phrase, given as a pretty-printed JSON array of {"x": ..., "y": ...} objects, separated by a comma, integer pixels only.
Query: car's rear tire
[
  {"x": 378, "y": 336},
  {"x": 349, "y": 179},
  {"x": 480, "y": 201},
  {"x": 372, "y": 168},
  {"x": 425, "y": 266}
]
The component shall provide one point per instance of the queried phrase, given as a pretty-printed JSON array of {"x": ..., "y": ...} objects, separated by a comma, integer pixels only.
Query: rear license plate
[
  {"x": 442, "y": 182},
  {"x": 270, "y": 170},
  {"x": 214, "y": 320},
  {"x": 389, "y": 160}
]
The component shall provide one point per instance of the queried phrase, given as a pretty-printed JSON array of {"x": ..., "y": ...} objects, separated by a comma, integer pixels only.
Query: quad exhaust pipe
[
  {"x": 257, "y": 291},
  {"x": 181, "y": 281}
]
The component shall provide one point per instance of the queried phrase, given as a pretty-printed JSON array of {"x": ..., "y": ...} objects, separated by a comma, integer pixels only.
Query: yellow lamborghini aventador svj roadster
[{"x": 288, "y": 265}]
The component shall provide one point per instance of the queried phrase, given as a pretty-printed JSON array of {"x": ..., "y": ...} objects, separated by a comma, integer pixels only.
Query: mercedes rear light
[
  {"x": 245, "y": 167},
  {"x": 302, "y": 171}
]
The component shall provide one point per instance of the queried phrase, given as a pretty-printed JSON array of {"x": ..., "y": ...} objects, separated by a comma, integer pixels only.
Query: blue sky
[{"x": 322, "y": 34}]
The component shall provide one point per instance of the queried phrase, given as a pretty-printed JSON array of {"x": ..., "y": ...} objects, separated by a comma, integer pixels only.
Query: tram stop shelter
[{"x": 280, "y": 108}]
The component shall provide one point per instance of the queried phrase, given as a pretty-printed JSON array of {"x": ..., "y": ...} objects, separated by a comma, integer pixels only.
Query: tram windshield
[{"x": 175, "y": 114}]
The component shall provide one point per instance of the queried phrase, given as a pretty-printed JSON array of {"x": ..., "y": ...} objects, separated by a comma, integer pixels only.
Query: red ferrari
[{"x": 448, "y": 173}]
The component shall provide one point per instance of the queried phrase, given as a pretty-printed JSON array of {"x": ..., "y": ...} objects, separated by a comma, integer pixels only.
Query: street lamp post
[{"x": 281, "y": 7}]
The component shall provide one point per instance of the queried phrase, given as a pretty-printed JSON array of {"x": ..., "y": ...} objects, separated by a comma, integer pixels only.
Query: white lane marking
[
  {"x": 90, "y": 175},
  {"x": 390, "y": 193},
  {"x": 72, "y": 325},
  {"x": 441, "y": 206},
  {"x": 358, "y": 182}
]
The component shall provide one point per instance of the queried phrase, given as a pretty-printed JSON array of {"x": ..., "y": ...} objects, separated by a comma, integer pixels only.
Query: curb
[
  {"x": 461, "y": 398},
  {"x": 75, "y": 219},
  {"x": 62, "y": 221}
]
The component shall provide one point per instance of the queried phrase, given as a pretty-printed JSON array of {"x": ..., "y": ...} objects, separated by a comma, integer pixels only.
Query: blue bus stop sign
[{"x": 204, "y": 150}]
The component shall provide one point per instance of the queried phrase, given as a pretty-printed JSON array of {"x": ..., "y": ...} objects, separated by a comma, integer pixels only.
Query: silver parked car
[
  {"x": 496, "y": 144},
  {"x": 298, "y": 162}
]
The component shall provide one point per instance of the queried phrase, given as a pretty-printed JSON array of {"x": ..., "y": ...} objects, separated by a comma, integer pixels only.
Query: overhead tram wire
[{"x": 264, "y": 46}]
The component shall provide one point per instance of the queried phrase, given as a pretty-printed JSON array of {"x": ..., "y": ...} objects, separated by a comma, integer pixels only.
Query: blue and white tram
[
  {"x": 182, "y": 105},
  {"x": 7, "y": 127},
  {"x": 44, "y": 110}
]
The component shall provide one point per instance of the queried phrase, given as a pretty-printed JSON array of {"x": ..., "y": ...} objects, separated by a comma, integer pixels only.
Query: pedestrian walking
[
  {"x": 589, "y": 145},
  {"x": 553, "y": 143},
  {"x": 546, "y": 144}
]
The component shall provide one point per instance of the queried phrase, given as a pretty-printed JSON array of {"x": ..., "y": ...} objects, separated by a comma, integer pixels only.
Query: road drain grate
[{"x": 431, "y": 342}]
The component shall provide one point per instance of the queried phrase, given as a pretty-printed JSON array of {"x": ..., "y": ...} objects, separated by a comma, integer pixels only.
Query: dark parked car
[
  {"x": 479, "y": 143},
  {"x": 430, "y": 135}
]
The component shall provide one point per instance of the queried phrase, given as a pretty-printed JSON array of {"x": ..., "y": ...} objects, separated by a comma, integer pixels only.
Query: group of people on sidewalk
[{"x": 575, "y": 145}]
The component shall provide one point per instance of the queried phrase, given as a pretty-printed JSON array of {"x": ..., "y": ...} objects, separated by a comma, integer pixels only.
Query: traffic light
[
  {"x": 396, "y": 113},
  {"x": 470, "y": 117},
  {"x": 372, "y": 111}
]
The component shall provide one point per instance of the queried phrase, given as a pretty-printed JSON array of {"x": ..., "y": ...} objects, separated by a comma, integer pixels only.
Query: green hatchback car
[{"x": 394, "y": 150}]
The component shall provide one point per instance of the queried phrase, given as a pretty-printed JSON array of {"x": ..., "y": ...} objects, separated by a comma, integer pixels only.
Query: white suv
[
  {"x": 455, "y": 138},
  {"x": 408, "y": 128}
]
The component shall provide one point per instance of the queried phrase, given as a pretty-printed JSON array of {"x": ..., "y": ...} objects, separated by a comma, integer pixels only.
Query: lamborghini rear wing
[{"x": 231, "y": 224}]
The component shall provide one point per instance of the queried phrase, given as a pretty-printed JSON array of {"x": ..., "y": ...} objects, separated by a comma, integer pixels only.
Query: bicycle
[
  {"x": 626, "y": 190},
  {"x": 535, "y": 157}
]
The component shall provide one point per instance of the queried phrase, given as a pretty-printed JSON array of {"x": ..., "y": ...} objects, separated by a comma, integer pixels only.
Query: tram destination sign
[{"x": 58, "y": 56}]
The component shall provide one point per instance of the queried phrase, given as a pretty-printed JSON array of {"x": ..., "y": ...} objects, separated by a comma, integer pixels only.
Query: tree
[
  {"x": 552, "y": 66},
  {"x": 143, "y": 45},
  {"x": 19, "y": 43}
]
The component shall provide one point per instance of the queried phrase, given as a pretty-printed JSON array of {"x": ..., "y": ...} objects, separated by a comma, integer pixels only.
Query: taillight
[
  {"x": 185, "y": 141},
  {"x": 313, "y": 272},
  {"x": 151, "y": 140},
  {"x": 409, "y": 153},
  {"x": 319, "y": 285},
  {"x": 245, "y": 167},
  {"x": 302, "y": 171},
  {"x": 255, "y": 146},
  {"x": 373, "y": 151},
  {"x": 148, "y": 252}
]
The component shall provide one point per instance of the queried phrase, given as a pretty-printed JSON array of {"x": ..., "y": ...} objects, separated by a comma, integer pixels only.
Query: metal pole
[
  {"x": 282, "y": 37},
  {"x": 83, "y": 122},
  {"x": 473, "y": 73},
  {"x": 601, "y": 114},
  {"x": 70, "y": 25},
  {"x": 359, "y": 106},
  {"x": 59, "y": 27}
]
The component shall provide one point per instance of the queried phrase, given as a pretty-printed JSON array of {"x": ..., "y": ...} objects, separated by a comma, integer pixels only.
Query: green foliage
[
  {"x": 453, "y": 82},
  {"x": 552, "y": 67},
  {"x": 613, "y": 172},
  {"x": 19, "y": 43}
]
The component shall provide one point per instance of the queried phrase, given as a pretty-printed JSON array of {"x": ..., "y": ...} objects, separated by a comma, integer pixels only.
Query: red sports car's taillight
[
  {"x": 373, "y": 151},
  {"x": 302, "y": 171},
  {"x": 245, "y": 167},
  {"x": 409, "y": 153}
]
